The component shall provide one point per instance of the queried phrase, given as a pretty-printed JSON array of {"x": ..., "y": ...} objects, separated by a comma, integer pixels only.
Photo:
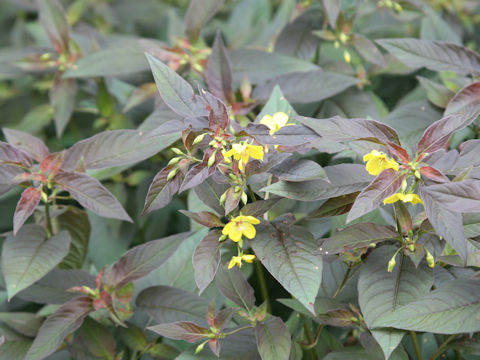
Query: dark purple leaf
[
  {"x": 210, "y": 192},
  {"x": 462, "y": 196},
  {"x": 466, "y": 100},
  {"x": 447, "y": 223},
  {"x": 9, "y": 177},
  {"x": 399, "y": 152},
  {"x": 273, "y": 339},
  {"x": 91, "y": 194},
  {"x": 175, "y": 91},
  {"x": 384, "y": 185},
  {"x": 206, "y": 259},
  {"x": 433, "y": 174},
  {"x": 29, "y": 255},
  {"x": 341, "y": 129},
  {"x": 31, "y": 145},
  {"x": 299, "y": 170},
  {"x": 205, "y": 218},
  {"x": 142, "y": 259},
  {"x": 26, "y": 206},
  {"x": 199, "y": 12},
  {"x": 182, "y": 330},
  {"x": 356, "y": 236},
  {"x": 218, "y": 113},
  {"x": 259, "y": 207},
  {"x": 218, "y": 74},
  {"x": 335, "y": 206},
  {"x": 232, "y": 200},
  {"x": 120, "y": 147},
  {"x": 52, "y": 163},
  {"x": 65, "y": 320},
  {"x": 368, "y": 50},
  {"x": 10, "y": 154},
  {"x": 76, "y": 222},
  {"x": 233, "y": 285},
  {"x": 55, "y": 23},
  {"x": 288, "y": 253},
  {"x": 161, "y": 191},
  {"x": 62, "y": 99},
  {"x": 293, "y": 135},
  {"x": 332, "y": 8},
  {"x": 306, "y": 86},
  {"x": 436, "y": 136},
  {"x": 434, "y": 55}
]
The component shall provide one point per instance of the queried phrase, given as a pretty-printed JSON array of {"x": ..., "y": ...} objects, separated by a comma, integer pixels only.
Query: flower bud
[
  {"x": 223, "y": 198},
  {"x": 343, "y": 38},
  {"x": 222, "y": 238},
  {"x": 429, "y": 258},
  {"x": 172, "y": 174},
  {"x": 392, "y": 263},
  {"x": 347, "y": 57},
  {"x": 237, "y": 189},
  {"x": 336, "y": 44},
  {"x": 211, "y": 159},
  {"x": 244, "y": 198},
  {"x": 177, "y": 151},
  {"x": 199, "y": 139},
  {"x": 174, "y": 161}
]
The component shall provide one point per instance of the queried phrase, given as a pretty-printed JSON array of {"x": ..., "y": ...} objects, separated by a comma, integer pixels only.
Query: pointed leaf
[
  {"x": 76, "y": 222},
  {"x": 93, "y": 340},
  {"x": 199, "y": 12},
  {"x": 142, "y": 259},
  {"x": 384, "y": 185},
  {"x": 335, "y": 206},
  {"x": 206, "y": 259},
  {"x": 381, "y": 292},
  {"x": 434, "y": 55},
  {"x": 340, "y": 129},
  {"x": 299, "y": 170},
  {"x": 29, "y": 256},
  {"x": 205, "y": 218},
  {"x": 356, "y": 236},
  {"x": 120, "y": 147},
  {"x": 62, "y": 99},
  {"x": 233, "y": 285},
  {"x": 450, "y": 309},
  {"x": 10, "y": 154},
  {"x": 273, "y": 339},
  {"x": 433, "y": 174},
  {"x": 31, "y": 145},
  {"x": 174, "y": 90},
  {"x": 62, "y": 322},
  {"x": 466, "y": 100},
  {"x": 168, "y": 304},
  {"x": 218, "y": 74},
  {"x": 288, "y": 253},
  {"x": 182, "y": 330},
  {"x": 91, "y": 194},
  {"x": 161, "y": 191},
  {"x": 210, "y": 192},
  {"x": 53, "y": 19},
  {"x": 26, "y": 206}
]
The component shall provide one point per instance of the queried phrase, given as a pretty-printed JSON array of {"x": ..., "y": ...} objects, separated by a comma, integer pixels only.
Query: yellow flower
[
  {"x": 241, "y": 225},
  {"x": 237, "y": 260},
  {"x": 378, "y": 161},
  {"x": 412, "y": 198},
  {"x": 243, "y": 152},
  {"x": 275, "y": 122}
]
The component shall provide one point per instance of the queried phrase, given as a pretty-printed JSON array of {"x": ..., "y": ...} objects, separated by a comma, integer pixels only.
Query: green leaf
[
  {"x": 434, "y": 55},
  {"x": 355, "y": 236},
  {"x": 174, "y": 90},
  {"x": 288, "y": 253},
  {"x": 273, "y": 339},
  {"x": 15, "y": 349},
  {"x": 120, "y": 58},
  {"x": 305, "y": 86},
  {"x": 276, "y": 103},
  {"x": 76, "y": 222},
  {"x": 167, "y": 304},
  {"x": 258, "y": 66},
  {"x": 29, "y": 256},
  {"x": 450, "y": 309},
  {"x": 344, "y": 179},
  {"x": 133, "y": 337},
  {"x": 199, "y": 12},
  {"x": 120, "y": 147},
  {"x": 142, "y": 259},
  {"x": 438, "y": 94},
  {"x": 206, "y": 259},
  {"x": 24, "y": 323},
  {"x": 65, "y": 320},
  {"x": 433, "y": 27},
  {"x": 381, "y": 292},
  {"x": 233, "y": 285}
]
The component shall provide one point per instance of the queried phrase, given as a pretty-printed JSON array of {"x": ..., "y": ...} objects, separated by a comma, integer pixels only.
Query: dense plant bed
[{"x": 245, "y": 179}]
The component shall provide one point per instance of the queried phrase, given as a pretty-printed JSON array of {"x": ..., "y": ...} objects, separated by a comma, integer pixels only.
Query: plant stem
[
  {"x": 458, "y": 355},
  {"x": 442, "y": 348},
  {"x": 344, "y": 281},
  {"x": 263, "y": 284},
  {"x": 238, "y": 330},
  {"x": 308, "y": 334},
  {"x": 48, "y": 220},
  {"x": 252, "y": 194},
  {"x": 416, "y": 345}
]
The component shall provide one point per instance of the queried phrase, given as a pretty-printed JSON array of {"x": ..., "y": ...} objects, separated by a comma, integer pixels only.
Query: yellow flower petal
[
  {"x": 392, "y": 199},
  {"x": 248, "y": 218},
  {"x": 268, "y": 121},
  {"x": 248, "y": 230},
  {"x": 239, "y": 148},
  {"x": 229, "y": 153},
  {"x": 248, "y": 258},
  {"x": 413, "y": 198},
  {"x": 378, "y": 161},
  {"x": 255, "y": 151},
  {"x": 227, "y": 228},
  {"x": 232, "y": 262},
  {"x": 280, "y": 119}
]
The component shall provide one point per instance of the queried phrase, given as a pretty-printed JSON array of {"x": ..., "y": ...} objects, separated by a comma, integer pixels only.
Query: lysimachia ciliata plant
[{"x": 303, "y": 208}]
